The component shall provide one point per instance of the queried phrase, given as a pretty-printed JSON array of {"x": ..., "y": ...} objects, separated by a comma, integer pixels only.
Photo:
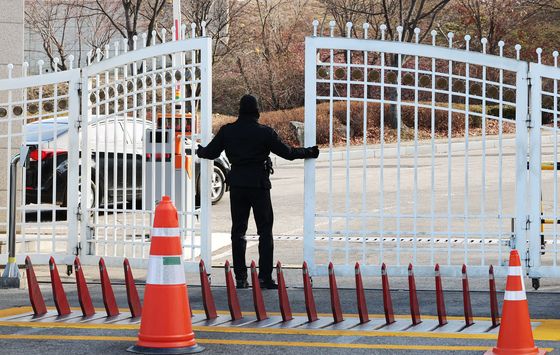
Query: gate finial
[
  {"x": 434, "y": 34},
  {"x": 144, "y": 39},
  {"x": 56, "y": 60},
  {"x": 383, "y": 28},
  {"x": 539, "y": 55},
  {"x": 163, "y": 32},
  {"x": 331, "y": 25},
  {"x": 501, "y": 45},
  {"x": 484, "y": 41},
  {"x": 71, "y": 61},
  {"x": 417, "y": 34},
  {"x": 193, "y": 30},
  {"x": 365, "y": 26},
  {"x": 40, "y": 63},
  {"x": 555, "y": 55},
  {"x": 450, "y": 36},
  {"x": 203, "y": 25},
  {"x": 348, "y": 29},
  {"x": 400, "y": 30},
  {"x": 518, "y": 51},
  {"x": 315, "y": 25},
  {"x": 467, "y": 42}
]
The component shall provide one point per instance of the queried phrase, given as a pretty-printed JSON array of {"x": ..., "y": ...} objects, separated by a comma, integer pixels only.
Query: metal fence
[
  {"x": 101, "y": 144},
  {"x": 421, "y": 188}
]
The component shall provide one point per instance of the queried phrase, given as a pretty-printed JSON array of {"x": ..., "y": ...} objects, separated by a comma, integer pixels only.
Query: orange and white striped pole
[
  {"x": 516, "y": 334},
  {"x": 166, "y": 317}
]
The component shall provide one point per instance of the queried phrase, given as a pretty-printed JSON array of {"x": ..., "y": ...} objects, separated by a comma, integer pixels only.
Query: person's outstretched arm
[
  {"x": 278, "y": 147},
  {"x": 213, "y": 149}
]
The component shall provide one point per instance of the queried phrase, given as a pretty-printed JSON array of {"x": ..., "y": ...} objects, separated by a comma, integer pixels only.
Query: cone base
[
  {"x": 536, "y": 351},
  {"x": 161, "y": 351}
]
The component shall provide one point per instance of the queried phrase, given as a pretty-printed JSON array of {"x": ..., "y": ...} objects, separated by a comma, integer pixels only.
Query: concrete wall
[{"x": 11, "y": 51}]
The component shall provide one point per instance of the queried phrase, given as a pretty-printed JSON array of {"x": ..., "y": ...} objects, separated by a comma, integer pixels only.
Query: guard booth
[{"x": 169, "y": 168}]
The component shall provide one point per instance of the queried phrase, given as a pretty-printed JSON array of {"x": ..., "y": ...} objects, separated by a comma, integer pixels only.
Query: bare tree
[
  {"x": 51, "y": 21},
  {"x": 129, "y": 17},
  {"x": 66, "y": 27},
  {"x": 494, "y": 20},
  {"x": 409, "y": 14},
  {"x": 271, "y": 65}
]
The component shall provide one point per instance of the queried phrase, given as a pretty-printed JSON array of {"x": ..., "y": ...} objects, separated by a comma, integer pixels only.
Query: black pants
[{"x": 241, "y": 202}]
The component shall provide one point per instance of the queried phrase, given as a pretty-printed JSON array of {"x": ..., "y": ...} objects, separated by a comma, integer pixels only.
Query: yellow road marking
[{"x": 258, "y": 343}]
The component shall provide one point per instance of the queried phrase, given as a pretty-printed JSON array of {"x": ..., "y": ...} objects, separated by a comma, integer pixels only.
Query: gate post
[
  {"x": 206, "y": 166},
  {"x": 309, "y": 165},
  {"x": 72, "y": 186},
  {"x": 533, "y": 255}
]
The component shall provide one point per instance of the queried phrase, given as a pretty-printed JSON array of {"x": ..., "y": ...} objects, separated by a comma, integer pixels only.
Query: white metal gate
[
  {"x": 441, "y": 197},
  {"x": 126, "y": 127},
  {"x": 34, "y": 110}
]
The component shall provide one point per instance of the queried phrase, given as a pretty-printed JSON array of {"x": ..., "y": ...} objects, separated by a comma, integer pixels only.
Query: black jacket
[{"x": 248, "y": 145}]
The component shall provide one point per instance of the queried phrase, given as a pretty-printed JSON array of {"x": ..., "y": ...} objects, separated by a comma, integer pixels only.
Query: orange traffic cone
[
  {"x": 516, "y": 334},
  {"x": 166, "y": 318}
]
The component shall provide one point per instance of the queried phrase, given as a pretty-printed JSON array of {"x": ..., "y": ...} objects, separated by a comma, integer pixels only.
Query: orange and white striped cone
[
  {"x": 516, "y": 334},
  {"x": 166, "y": 326}
]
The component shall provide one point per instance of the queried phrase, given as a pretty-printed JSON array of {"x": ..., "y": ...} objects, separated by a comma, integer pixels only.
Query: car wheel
[{"x": 217, "y": 185}]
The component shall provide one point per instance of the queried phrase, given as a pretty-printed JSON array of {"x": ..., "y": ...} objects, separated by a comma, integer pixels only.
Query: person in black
[{"x": 248, "y": 145}]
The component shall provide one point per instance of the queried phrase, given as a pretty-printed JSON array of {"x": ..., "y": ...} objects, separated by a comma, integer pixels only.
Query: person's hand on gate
[
  {"x": 198, "y": 150},
  {"x": 312, "y": 152}
]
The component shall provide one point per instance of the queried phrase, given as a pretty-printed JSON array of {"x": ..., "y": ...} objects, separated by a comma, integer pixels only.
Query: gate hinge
[
  {"x": 78, "y": 249},
  {"x": 79, "y": 213},
  {"x": 528, "y": 223},
  {"x": 79, "y": 118},
  {"x": 529, "y": 119}
]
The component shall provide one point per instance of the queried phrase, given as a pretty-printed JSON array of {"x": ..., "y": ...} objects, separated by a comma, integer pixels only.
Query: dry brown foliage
[{"x": 280, "y": 121}]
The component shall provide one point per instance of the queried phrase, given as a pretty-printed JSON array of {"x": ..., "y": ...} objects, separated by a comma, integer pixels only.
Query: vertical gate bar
[
  {"x": 105, "y": 166},
  {"x": 415, "y": 188},
  {"x": 331, "y": 128},
  {"x": 73, "y": 178},
  {"x": 534, "y": 177},
  {"x": 154, "y": 151},
  {"x": 433, "y": 154},
  {"x": 309, "y": 164},
  {"x": 133, "y": 159},
  {"x": 183, "y": 67},
  {"x": 500, "y": 154},
  {"x": 85, "y": 188},
  {"x": 466, "y": 193},
  {"x": 115, "y": 160},
  {"x": 206, "y": 166},
  {"x": 163, "y": 110},
  {"x": 347, "y": 212},
  {"x": 382, "y": 150},
  {"x": 40, "y": 155},
  {"x": 555, "y": 168},
  {"x": 364, "y": 157},
  {"x": 483, "y": 178},
  {"x": 449, "y": 147},
  {"x": 399, "y": 127},
  {"x": 144, "y": 151},
  {"x": 85, "y": 160},
  {"x": 25, "y": 96},
  {"x": 124, "y": 216},
  {"x": 54, "y": 165},
  {"x": 191, "y": 194}
]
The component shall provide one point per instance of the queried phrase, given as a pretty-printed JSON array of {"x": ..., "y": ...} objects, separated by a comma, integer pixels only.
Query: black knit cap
[{"x": 248, "y": 106}]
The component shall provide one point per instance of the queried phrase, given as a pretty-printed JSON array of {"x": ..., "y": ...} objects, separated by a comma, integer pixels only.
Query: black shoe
[
  {"x": 268, "y": 284},
  {"x": 241, "y": 283}
]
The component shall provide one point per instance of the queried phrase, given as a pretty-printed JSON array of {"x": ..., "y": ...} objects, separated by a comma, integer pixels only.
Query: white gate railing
[
  {"x": 126, "y": 127},
  {"x": 443, "y": 197}
]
